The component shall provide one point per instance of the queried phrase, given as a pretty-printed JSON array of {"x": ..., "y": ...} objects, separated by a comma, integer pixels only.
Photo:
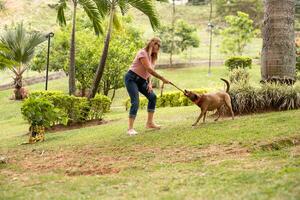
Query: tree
[
  {"x": 185, "y": 36},
  {"x": 110, "y": 7},
  {"x": 123, "y": 49},
  {"x": 20, "y": 46},
  {"x": 237, "y": 34},
  {"x": 278, "y": 52},
  {"x": 93, "y": 13}
]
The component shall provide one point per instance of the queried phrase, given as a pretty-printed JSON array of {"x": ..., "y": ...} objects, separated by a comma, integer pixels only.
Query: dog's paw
[{"x": 194, "y": 125}]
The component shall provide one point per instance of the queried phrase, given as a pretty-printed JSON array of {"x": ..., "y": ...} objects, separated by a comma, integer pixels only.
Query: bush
[
  {"x": 77, "y": 109},
  {"x": 170, "y": 99},
  {"x": 270, "y": 96},
  {"x": 41, "y": 112},
  {"x": 239, "y": 76},
  {"x": 238, "y": 62}
]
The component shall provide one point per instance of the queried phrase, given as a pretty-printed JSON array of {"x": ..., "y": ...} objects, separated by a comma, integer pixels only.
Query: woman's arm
[{"x": 148, "y": 67}]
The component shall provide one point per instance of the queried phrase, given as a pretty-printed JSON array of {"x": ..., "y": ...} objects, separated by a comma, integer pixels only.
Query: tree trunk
[
  {"x": 101, "y": 66},
  {"x": 278, "y": 51},
  {"x": 72, "y": 86},
  {"x": 18, "y": 87}
]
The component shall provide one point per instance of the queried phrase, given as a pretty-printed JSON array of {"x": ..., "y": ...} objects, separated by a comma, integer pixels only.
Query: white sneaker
[{"x": 131, "y": 132}]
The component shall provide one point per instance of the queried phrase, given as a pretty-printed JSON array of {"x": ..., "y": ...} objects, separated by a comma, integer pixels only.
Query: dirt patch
[
  {"x": 91, "y": 160},
  {"x": 278, "y": 144}
]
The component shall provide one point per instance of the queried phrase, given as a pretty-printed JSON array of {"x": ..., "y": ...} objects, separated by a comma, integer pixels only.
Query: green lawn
[{"x": 252, "y": 157}]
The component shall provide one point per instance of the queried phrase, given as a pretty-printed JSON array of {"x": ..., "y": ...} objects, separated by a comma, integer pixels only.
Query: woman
[{"x": 137, "y": 79}]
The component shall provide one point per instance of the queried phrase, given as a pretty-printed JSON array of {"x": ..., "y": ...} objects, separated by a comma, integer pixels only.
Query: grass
[{"x": 216, "y": 160}]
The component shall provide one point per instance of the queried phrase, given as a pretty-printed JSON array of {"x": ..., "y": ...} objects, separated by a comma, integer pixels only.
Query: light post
[
  {"x": 210, "y": 27},
  {"x": 48, "y": 36}
]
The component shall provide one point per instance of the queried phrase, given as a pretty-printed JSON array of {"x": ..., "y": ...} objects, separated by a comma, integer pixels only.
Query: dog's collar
[{"x": 198, "y": 100}]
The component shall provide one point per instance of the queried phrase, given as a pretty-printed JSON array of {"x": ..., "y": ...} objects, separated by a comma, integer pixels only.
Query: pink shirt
[{"x": 137, "y": 67}]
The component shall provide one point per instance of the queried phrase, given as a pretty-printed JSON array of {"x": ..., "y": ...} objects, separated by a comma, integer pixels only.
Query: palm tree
[
  {"x": 19, "y": 45},
  {"x": 109, "y": 7},
  {"x": 93, "y": 13},
  {"x": 278, "y": 51}
]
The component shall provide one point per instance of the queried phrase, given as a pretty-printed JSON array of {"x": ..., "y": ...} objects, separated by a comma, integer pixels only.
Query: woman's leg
[
  {"x": 133, "y": 92},
  {"x": 151, "y": 105}
]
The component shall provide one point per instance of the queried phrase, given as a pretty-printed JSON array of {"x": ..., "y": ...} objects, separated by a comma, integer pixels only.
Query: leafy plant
[
  {"x": 19, "y": 47},
  {"x": 185, "y": 36},
  {"x": 41, "y": 112},
  {"x": 239, "y": 76},
  {"x": 238, "y": 33},
  {"x": 236, "y": 62}
]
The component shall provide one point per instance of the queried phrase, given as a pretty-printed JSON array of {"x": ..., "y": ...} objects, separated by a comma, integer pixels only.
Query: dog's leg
[
  {"x": 229, "y": 106},
  {"x": 219, "y": 114},
  {"x": 204, "y": 116},
  {"x": 201, "y": 114}
]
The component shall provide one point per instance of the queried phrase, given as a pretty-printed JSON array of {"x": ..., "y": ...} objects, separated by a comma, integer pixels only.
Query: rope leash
[{"x": 162, "y": 87}]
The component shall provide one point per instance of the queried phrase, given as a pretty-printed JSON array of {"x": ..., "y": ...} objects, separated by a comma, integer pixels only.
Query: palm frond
[
  {"x": 61, "y": 6},
  {"x": 124, "y": 6},
  {"x": 103, "y": 7},
  {"x": 20, "y": 44},
  {"x": 93, "y": 13},
  {"x": 148, "y": 8}
]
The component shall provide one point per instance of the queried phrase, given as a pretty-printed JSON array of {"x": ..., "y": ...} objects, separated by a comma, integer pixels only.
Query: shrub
[
  {"x": 77, "y": 109},
  {"x": 238, "y": 62},
  {"x": 170, "y": 99},
  {"x": 41, "y": 112},
  {"x": 239, "y": 76}
]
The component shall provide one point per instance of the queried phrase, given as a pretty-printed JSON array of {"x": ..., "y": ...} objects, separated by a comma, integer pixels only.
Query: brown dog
[{"x": 210, "y": 102}]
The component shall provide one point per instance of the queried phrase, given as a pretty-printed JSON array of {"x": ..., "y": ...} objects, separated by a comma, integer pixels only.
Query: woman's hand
[
  {"x": 165, "y": 81},
  {"x": 149, "y": 87}
]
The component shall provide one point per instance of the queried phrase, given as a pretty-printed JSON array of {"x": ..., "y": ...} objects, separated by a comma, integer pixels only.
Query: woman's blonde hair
[{"x": 148, "y": 48}]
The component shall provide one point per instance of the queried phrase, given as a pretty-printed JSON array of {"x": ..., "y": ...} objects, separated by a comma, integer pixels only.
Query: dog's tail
[{"x": 227, "y": 84}]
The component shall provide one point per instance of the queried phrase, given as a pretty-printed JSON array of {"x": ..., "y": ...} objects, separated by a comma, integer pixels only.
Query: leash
[{"x": 162, "y": 87}]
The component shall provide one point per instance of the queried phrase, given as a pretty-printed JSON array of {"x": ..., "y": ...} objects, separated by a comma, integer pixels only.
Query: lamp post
[
  {"x": 210, "y": 27},
  {"x": 48, "y": 36}
]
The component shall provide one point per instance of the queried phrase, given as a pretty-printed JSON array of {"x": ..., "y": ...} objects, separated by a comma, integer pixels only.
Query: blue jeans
[{"x": 135, "y": 84}]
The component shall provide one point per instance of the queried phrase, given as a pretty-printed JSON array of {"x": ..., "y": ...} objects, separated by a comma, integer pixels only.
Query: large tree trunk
[
  {"x": 100, "y": 68},
  {"x": 72, "y": 86},
  {"x": 278, "y": 51}
]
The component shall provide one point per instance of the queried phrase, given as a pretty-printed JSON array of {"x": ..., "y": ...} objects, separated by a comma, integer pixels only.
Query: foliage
[
  {"x": 170, "y": 99},
  {"x": 123, "y": 48},
  {"x": 19, "y": 47},
  {"x": 185, "y": 36},
  {"x": 77, "y": 109},
  {"x": 239, "y": 76},
  {"x": 270, "y": 96},
  {"x": 41, "y": 112},
  {"x": 236, "y": 62},
  {"x": 238, "y": 33},
  {"x": 229, "y": 7},
  {"x": 4, "y": 61}
]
